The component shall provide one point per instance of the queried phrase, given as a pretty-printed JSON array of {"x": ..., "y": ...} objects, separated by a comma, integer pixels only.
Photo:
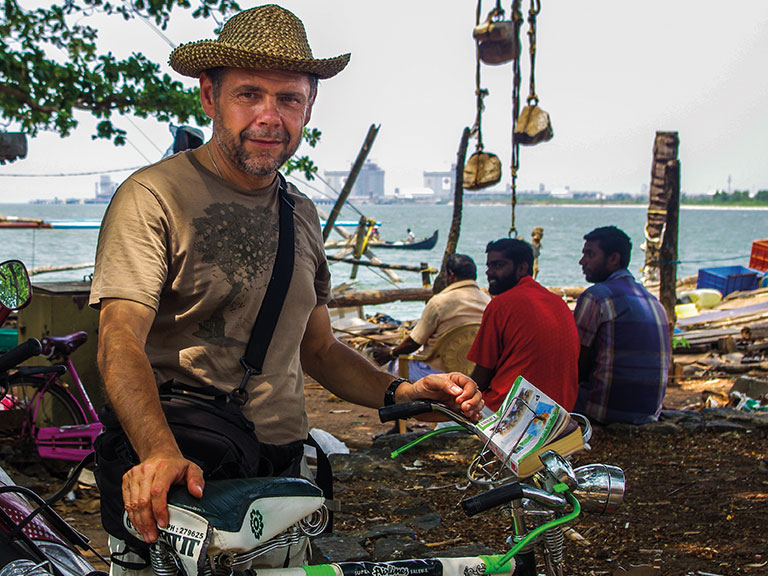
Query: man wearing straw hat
[{"x": 185, "y": 256}]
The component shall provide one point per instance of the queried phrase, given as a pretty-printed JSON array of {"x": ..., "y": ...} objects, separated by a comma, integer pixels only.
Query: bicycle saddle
[{"x": 64, "y": 345}]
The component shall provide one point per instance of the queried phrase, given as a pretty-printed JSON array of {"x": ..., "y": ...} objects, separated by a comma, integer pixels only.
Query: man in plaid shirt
[{"x": 624, "y": 333}]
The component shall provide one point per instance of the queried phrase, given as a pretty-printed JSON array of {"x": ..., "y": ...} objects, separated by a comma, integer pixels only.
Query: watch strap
[{"x": 389, "y": 394}]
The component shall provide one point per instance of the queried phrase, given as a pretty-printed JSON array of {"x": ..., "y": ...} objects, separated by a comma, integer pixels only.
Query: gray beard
[{"x": 259, "y": 165}]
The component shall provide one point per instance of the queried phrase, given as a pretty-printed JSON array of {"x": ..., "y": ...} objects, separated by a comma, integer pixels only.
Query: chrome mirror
[
  {"x": 558, "y": 468},
  {"x": 15, "y": 288}
]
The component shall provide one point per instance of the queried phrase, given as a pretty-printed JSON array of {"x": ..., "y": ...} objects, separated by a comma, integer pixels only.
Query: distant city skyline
[
  {"x": 610, "y": 74},
  {"x": 369, "y": 187}
]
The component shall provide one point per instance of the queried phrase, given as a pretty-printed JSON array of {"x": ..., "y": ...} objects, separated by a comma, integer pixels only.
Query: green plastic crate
[{"x": 9, "y": 337}]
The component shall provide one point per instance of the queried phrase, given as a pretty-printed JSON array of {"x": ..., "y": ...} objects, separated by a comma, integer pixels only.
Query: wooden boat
[
  {"x": 416, "y": 244},
  {"x": 15, "y": 222}
]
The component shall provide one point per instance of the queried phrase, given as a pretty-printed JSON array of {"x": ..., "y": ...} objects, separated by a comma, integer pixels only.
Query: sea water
[{"x": 708, "y": 237}]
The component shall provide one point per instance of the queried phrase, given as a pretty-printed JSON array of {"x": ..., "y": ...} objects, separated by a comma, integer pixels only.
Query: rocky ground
[{"x": 696, "y": 500}]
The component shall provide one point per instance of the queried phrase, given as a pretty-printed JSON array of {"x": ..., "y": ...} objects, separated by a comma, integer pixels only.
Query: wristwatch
[{"x": 389, "y": 395}]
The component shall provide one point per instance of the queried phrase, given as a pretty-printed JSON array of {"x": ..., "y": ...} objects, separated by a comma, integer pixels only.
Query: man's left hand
[
  {"x": 454, "y": 389},
  {"x": 382, "y": 354}
]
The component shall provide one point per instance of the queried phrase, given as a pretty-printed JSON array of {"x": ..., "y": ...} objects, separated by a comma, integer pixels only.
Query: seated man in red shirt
[{"x": 526, "y": 331}]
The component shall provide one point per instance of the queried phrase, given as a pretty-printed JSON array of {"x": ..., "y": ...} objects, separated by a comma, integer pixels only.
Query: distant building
[
  {"x": 369, "y": 185},
  {"x": 441, "y": 183},
  {"x": 105, "y": 189},
  {"x": 418, "y": 194}
]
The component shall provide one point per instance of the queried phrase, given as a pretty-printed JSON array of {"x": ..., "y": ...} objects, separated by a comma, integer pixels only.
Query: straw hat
[{"x": 263, "y": 38}]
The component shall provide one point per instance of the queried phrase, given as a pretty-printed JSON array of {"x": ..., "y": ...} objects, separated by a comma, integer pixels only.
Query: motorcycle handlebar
[
  {"x": 404, "y": 410},
  {"x": 19, "y": 354},
  {"x": 492, "y": 498}
]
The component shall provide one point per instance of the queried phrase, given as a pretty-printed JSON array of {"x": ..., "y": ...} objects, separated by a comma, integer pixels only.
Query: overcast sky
[{"x": 610, "y": 73}]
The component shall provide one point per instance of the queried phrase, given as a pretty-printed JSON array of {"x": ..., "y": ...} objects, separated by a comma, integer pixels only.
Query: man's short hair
[
  {"x": 612, "y": 239},
  {"x": 514, "y": 249},
  {"x": 462, "y": 266},
  {"x": 217, "y": 77}
]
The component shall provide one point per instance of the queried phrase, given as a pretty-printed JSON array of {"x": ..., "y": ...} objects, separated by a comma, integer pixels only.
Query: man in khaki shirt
[
  {"x": 460, "y": 302},
  {"x": 185, "y": 255}
]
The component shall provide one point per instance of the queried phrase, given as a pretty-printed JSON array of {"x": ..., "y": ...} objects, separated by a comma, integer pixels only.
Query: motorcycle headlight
[
  {"x": 599, "y": 487},
  {"x": 24, "y": 567}
]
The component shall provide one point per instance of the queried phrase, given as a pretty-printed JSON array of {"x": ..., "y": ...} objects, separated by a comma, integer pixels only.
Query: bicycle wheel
[{"x": 55, "y": 408}]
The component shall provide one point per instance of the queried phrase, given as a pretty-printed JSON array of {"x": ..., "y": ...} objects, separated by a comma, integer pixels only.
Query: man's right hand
[{"x": 145, "y": 490}]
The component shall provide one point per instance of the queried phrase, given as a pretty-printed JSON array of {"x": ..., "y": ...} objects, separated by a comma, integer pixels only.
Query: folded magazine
[{"x": 526, "y": 424}]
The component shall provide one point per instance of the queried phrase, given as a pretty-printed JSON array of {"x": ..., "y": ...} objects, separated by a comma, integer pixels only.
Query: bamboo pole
[
  {"x": 357, "y": 262},
  {"x": 359, "y": 240},
  {"x": 347, "y": 189},
  {"x": 458, "y": 198},
  {"x": 62, "y": 268}
]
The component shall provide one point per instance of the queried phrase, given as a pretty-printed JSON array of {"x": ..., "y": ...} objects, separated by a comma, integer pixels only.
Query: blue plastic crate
[{"x": 727, "y": 279}]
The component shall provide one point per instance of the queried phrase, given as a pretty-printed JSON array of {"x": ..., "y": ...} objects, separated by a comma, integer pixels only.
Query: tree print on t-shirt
[{"x": 242, "y": 242}]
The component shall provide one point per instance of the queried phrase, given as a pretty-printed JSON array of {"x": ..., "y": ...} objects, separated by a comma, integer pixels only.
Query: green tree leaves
[{"x": 51, "y": 67}]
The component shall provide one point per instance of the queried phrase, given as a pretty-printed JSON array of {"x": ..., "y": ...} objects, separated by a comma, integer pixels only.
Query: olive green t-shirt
[{"x": 200, "y": 252}]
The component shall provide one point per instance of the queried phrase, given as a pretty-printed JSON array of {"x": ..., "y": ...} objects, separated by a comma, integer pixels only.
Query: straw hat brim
[{"x": 193, "y": 58}]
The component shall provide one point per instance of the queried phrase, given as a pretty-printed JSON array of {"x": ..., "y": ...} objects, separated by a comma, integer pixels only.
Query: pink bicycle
[{"x": 39, "y": 405}]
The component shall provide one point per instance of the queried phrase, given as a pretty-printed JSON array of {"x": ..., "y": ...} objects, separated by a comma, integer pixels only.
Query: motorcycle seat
[{"x": 225, "y": 502}]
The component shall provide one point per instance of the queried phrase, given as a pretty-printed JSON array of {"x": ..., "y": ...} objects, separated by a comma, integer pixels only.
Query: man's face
[
  {"x": 501, "y": 272},
  {"x": 593, "y": 262},
  {"x": 258, "y": 117}
]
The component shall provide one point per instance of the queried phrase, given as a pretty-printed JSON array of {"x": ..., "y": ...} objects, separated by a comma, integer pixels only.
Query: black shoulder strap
[{"x": 271, "y": 306}]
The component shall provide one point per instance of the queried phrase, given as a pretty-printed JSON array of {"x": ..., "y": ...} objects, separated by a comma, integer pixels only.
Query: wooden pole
[
  {"x": 347, "y": 189},
  {"x": 424, "y": 268},
  {"x": 665, "y": 148},
  {"x": 359, "y": 239},
  {"x": 668, "y": 251},
  {"x": 371, "y": 297},
  {"x": 458, "y": 199},
  {"x": 425, "y": 271}
]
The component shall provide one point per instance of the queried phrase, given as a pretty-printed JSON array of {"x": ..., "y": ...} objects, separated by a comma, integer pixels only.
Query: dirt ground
[{"x": 696, "y": 500}]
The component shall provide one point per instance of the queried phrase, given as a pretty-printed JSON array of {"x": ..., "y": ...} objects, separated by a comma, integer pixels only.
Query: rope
[
  {"x": 533, "y": 99},
  {"x": 65, "y": 174},
  {"x": 480, "y": 92},
  {"x": 517, "y": 18}
]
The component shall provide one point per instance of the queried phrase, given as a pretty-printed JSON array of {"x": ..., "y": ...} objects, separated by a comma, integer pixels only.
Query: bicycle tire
[{"x": 57, "y": 407}]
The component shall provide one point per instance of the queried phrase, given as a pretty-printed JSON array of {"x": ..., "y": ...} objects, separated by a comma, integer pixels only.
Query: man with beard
[
  {"x": 526, "y": 331},
  {"x": 624, "y": 333},
  {"x": 185, "y": 255}
]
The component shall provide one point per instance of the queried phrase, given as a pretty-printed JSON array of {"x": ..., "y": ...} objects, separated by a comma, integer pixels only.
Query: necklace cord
[{"x": 208, "y": 149}]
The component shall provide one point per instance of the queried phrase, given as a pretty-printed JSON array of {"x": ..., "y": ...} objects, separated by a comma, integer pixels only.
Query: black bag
[{"x": 209, "y": 430}]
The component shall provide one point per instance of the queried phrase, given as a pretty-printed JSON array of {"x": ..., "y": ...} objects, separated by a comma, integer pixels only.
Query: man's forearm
[
  {"x": 407, "y": 346},
  {"x": 482, "y": 376},
  {"x": 349, "y": 375},
  {"x": 130, "y": 385},
  {"x": 132, "y": 392}
]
